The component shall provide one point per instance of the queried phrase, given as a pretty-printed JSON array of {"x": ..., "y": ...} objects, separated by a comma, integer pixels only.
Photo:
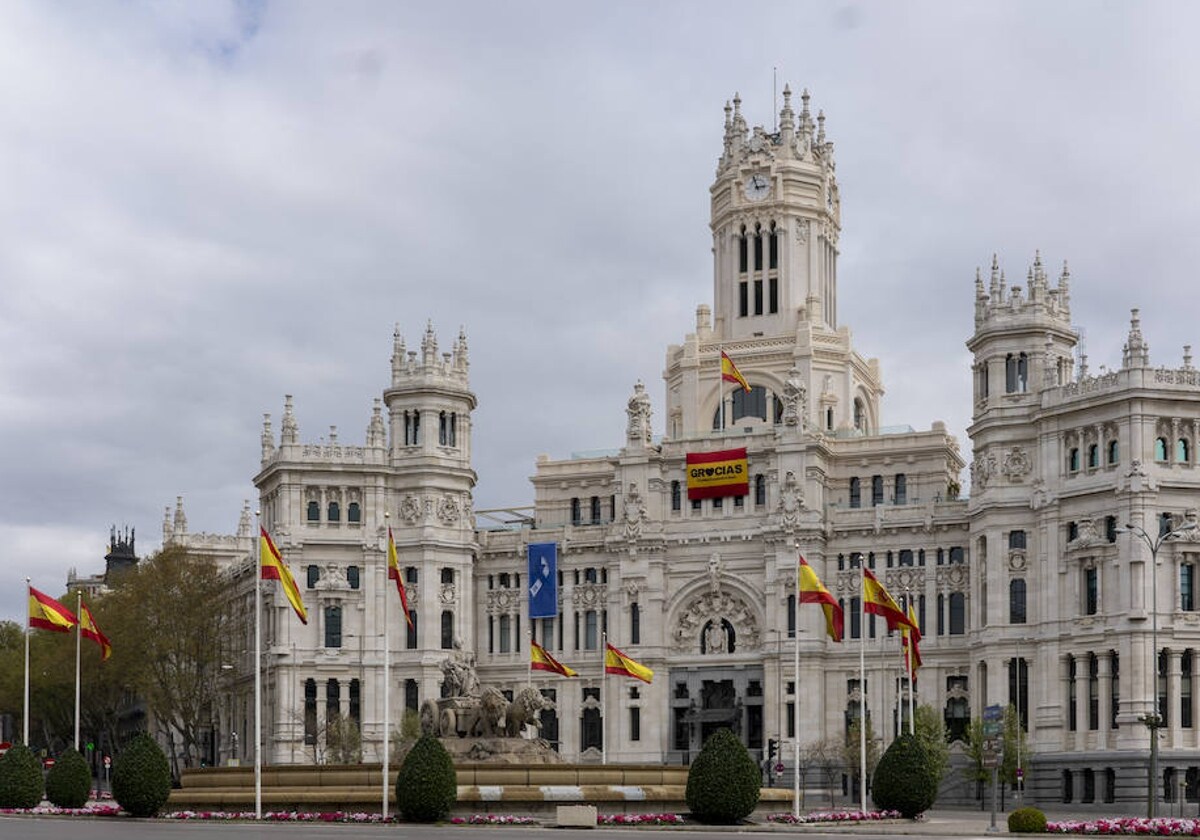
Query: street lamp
[{"x": 1153, "y": 718}]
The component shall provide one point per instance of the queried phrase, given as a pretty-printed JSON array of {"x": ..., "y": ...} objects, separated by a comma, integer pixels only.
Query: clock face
[{"x": 756, "y": 186}]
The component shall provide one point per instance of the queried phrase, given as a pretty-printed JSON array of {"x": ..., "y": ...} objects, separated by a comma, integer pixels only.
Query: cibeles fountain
[{"x": 477, "y": 723}]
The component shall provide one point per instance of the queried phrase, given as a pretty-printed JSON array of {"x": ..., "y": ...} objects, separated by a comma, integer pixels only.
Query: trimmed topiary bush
[
  {"x": 20, "y": 778},
  {"x": 69, "y": 782},
  {"x": 426, "y": 786},
  {"x": 723, "y": 782},
  {"x": 141, "y": 778},
  {"x": 1027, "y": 821},
  {"x": 906, "y": 779}
]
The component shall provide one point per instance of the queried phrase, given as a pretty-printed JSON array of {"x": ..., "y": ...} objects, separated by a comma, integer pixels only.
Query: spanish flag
[
  {"x": 812, "y": 591},
  {"x": 395, "y": 574},
  {"x": 618, "y": 663},
  {"x": 47, "y": 614},
  {"x": 730, "y": 373},
  {"x": 879, "y": 601},
  {"x": 273, "y": 568},
  {"x": 89, "y": 630},
  {"x": 909, "y": 638},
  {"x": 540, "y": 660}
]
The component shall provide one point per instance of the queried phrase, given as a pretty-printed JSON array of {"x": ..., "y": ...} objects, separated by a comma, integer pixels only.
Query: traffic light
[{"x": 772, "y": 748}]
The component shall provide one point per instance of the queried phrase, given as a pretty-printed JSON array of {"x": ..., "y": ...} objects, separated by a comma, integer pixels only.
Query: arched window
[
  {"x": 760, "y": 490},
  {"x": 676, "y": 496},
  {"x": 314, "y": 511},
  {"x": 595, "y": 510},
  {"x": 752, "y": 404},
  {"x": 1016, "y": 601},
  {"x": 901, "y": 489},
  {"x": 876, "y": 490},
  {"x": 1073, "y": 460},
  {"x": 1181, "y": 451},
  {"x": 1114, "y": 452},
  {"x": 855, "y": 492},
  {"x": 335, "y": 512},
  {"x": 1093, "y": 458},
  {"x": 1010, "y": 374},
  {"x": 1160, "y": 449},
  {"x": 447, "y": 630},
  {"x": 576, "y": 513},
  {"x": 958, "y": 613},
  {"x": 353, "y": 512},
  {"x": 1022, "y": 373}
]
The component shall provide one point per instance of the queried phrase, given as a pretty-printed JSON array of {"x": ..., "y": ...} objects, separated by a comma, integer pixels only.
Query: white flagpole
[
  {"x": 721, "y": 381},
  {"x": 862, "y": 683},
  {"x": 258, "y": 670},
  {"x": 604, "y": 698},
  {"x": 78, "y": 636},
  {"x": 28, "y": 630},
  {"x": 912, "y": 673},
  {"x": 796, "y": 696},
  {"x": 387, "y": 671}
]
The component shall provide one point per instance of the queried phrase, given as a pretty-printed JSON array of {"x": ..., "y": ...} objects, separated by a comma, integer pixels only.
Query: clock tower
[
  {"x": 775, "y": 221},
  {"x": 776, "y": 217}
]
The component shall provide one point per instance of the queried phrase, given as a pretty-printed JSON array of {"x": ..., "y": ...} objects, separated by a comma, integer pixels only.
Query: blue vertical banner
[{"x": 543, "y": 580}]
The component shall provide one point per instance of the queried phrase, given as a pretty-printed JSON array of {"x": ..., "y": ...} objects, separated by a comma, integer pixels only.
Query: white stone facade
[{"x": 1028, "y": 568}]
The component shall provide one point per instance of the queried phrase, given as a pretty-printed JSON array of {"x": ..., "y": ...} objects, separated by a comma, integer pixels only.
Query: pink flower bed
[
  {"x": 1158, "y": 827},
  {"x": 834, "y": 816},
  {"x": 55, "y": 811},
  {"x": 492, "y": 819},
  {"x": 639, "y": 819}
]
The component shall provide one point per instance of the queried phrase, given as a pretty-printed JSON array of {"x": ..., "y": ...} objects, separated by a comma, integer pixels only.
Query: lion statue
[
  {"x": 524, "y": 710},
  {"x": 493, "y": 708}
]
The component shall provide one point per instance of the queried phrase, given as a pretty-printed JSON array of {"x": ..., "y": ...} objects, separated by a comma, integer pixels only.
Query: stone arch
[{"x": 727, "y": 609}]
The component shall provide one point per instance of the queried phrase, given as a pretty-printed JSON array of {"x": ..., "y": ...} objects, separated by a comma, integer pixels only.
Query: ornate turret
[
  {"x": 121, "y": 556},
  {"x": 290, "y": 431},
  {"x": 1136, "y": 352}
]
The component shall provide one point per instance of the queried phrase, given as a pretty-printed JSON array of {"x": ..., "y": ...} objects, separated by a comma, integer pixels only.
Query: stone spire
[
  {"x": 268, "y": 439},
  {"x": 376, "y": 434},
  {"x": 166, "y": 526},
  {"x": 180, "y": 523},
  {"x": 244, "y": 521},
  {"x": 461, "y": 361},
  {"x": 1137, "y": 351},
  {"x": 787, "y": 119},
  {"x": 398, "y": 354},
  {"x": 428, "y": 346},
  {"x": 1064, "y": 289},
  {"x": 290, "y": 429}
]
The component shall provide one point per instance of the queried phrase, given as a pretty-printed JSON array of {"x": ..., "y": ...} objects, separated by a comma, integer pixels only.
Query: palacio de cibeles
[{"x": 1039, "y": 589}]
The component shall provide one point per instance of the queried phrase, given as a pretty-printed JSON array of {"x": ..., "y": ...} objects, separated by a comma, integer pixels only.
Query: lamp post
[{"x": 1153, "y": 718}]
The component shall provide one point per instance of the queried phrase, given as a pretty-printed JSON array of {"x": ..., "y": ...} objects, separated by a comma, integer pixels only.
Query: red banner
[{"x": 712, "y": 475}]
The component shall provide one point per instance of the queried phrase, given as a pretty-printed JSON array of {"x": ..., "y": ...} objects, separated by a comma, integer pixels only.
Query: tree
[
  {"x": 930, "y": 729},
  {"x": 141, "y": 780},
  {"x": 343, "y": 740},
  {"x": 851, "y": 750},
  {"x": 975, "y": 771},
  {"x": 1014, "y": 744},
  {"x": 827, "y": 758},
  {"x": 426, "y": 785},
  {"x": 723, "y": 784},
  {"x": 167, "y": 626},
  {"x": 906, "y": 779}
]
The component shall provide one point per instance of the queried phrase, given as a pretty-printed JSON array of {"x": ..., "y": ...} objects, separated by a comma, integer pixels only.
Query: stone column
[
  {"x": 1104, "y": 668},
  {"x": 1174, "y": 709}
]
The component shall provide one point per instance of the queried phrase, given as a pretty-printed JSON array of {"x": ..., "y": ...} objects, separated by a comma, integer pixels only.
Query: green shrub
[
  {"x": 723, "y": 782},
  {"x": 141, "y": 777},
  {"x": 906, "y": 778},
  {"x": 426, "y": 786},
  {"x": 69, "y": 782},
  {"x": 20, "y": 778},
  {"x": 1027, "y": 821}
]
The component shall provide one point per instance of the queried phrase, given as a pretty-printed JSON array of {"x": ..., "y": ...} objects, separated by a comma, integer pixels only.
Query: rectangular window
[
  {"x": 591, "y": 628},
  {"x": 758, "y": 253},
  {"x": 356, "y": 702},
  {"x": 635, "y": 723},
  {"x": 1072, "y": 695},
  {"x": 1091, "y": 591},
  {"x": 876, "y": 490},
  {"x": 410, "y": 631},
  {"x": 958, "y": 613},
  {"x": 333, "y": 627},
  {"x": 791, "y": 720},
  {"x": 1185, "y": 690},
  {"x": 773, "y": 251},
  {"x": 855, "y": 618},
  {"x": 901, "y": 489},
  {"x": 1093, "y": 693},
  {"x": 743, "y": 255},
  {"x": 743, "y": 299},
  {"x": 791, "y": 616},
  {"x": 758, "y": 297},
  {"x": 1187, "y": 587},
  {"x": 635, "y": 624},
  {"x": 773, "y": 295},
  {"x": 310, "y": 711}
]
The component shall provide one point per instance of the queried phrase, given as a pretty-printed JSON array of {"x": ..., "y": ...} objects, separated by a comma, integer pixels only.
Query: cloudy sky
[{"x": 207, "y": 205}]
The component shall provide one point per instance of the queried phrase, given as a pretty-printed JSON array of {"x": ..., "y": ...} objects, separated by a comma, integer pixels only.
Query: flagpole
[
  {"x": 796, "y": 694},
  {"x": 721, "y": 381},
  {"x": 912, "y": 671},
  {"x": 604, "y": 698},
  {"x": 387, "y": 680},
  {"x": 28, "y": 628},
  {"x": 862, "y": 682},
  {"x": 78, "y": 637},
  {"x": 529, "y": 677},
  {"x": 258, "y": 670}
]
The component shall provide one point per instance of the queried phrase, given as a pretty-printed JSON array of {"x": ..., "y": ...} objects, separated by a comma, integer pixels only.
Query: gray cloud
[{"x": 208, "y": 206}]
